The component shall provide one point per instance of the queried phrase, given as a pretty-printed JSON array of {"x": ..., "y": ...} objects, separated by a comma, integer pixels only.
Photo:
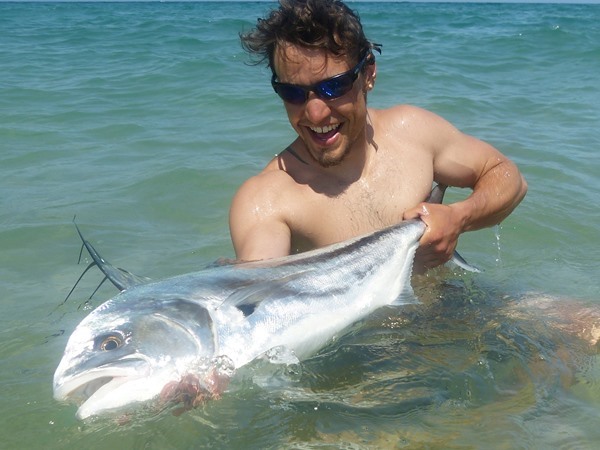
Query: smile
[{"x": 327, "y": 129}]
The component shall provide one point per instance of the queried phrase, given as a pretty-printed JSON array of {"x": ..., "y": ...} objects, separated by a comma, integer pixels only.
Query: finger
[{"x": 419, "y": 212}]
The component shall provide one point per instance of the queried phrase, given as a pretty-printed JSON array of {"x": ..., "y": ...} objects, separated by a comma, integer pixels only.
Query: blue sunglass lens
[
  {"x": 291, "y": 94},
  {"x": 334, "y": 88}
]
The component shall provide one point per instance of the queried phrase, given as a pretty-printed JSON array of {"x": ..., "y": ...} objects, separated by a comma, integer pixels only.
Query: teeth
[{"x": 327, "y": 129}]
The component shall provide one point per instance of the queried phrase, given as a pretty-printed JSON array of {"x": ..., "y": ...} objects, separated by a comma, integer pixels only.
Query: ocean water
[{"x": 142, "y": 119}]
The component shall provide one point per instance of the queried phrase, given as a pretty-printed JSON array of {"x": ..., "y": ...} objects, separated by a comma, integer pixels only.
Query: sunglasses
[{"x": 328, "y": 89}]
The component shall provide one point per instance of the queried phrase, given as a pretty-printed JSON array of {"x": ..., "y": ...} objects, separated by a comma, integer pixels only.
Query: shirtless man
[{"x": 353, "y": 169}]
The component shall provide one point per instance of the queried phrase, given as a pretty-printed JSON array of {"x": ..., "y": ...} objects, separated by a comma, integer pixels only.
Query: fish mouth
[
  {"x": 79, "y": 391},
  {"x": 79, "y": 388},
  {"x": 99, "y": 388}
]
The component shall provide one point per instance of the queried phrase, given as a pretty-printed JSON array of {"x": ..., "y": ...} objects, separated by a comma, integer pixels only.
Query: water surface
[{"x": 143, "y": 118}]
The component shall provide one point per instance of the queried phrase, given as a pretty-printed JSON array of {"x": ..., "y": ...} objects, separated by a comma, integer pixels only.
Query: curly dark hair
[{"x": 321, "y": 24}]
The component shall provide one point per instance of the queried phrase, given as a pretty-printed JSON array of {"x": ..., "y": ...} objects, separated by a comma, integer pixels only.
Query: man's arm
[
  {"x": 256, "y": 221},
  {"x": 464, "y": 161}
]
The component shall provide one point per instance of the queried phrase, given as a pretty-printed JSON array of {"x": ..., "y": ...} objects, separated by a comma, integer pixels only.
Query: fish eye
[{"x": 108, "y": 343}]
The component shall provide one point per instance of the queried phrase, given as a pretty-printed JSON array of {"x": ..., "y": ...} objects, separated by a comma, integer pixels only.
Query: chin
[
  {"x": 326, "y": 160},
  {"x": 327, "y": 163}
]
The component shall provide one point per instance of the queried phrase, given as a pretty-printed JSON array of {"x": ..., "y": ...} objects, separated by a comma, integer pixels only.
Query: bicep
[
  {"x": 465, "y": 160},
  {"x": 498, "y": 186},
  {"x": 456, "y": 158},
  {"x": 460, "y": 159}
]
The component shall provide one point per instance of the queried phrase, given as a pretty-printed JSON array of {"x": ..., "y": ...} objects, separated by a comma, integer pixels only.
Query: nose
[{"x": 316, "y": 110}]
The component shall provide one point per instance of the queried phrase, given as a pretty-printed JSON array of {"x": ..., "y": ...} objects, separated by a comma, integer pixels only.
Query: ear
[{"x": 370, "y": 75}]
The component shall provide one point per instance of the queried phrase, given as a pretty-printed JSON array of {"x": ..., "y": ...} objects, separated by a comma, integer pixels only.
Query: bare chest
[{"x": 363, "y": 207}]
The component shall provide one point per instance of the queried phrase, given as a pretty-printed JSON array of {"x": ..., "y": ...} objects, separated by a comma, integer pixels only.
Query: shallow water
[{"x": 142, "y": 119}]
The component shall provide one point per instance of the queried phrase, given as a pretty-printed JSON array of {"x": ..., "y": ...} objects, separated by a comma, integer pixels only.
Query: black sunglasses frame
[{"x": 328, "y": 89}]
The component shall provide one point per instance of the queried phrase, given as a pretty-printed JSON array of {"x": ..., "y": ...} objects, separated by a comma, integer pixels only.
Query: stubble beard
[{"x": 325, "y": 160}]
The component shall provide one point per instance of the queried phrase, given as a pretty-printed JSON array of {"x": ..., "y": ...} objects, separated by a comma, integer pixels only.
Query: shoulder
[
  {"x": 419, "y": 127},
  {"x": 259, "y": 216},
  {"x": 263, "y": 190},
  {"x": 408, "y": 115},
  {"x": 413, "y": 131}
]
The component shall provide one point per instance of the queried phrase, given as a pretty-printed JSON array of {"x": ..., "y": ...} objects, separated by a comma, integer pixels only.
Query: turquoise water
[{"x": 143, "y": 118}]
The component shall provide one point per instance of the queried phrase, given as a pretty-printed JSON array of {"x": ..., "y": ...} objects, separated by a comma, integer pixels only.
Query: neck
[{"x": 357, "y": 163}]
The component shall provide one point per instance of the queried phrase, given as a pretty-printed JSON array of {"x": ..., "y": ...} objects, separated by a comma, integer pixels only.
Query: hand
[
  {"x": 441, "y": 235},
  {"x": 192, "y": 391}
]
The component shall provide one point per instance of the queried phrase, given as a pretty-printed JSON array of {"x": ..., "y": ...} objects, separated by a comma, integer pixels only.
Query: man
[{"x": 352, "y": 169}]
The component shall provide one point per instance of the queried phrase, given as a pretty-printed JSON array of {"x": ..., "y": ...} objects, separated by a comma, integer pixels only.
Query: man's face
[{"x": 328, "y": 128}]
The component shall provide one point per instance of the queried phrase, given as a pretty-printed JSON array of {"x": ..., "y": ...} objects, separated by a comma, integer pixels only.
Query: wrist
[{"x": 461, "y": 215}]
